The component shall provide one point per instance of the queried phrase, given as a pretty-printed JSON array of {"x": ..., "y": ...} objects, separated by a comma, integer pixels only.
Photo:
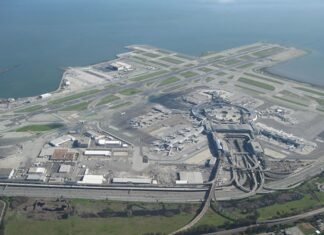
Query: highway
[
  {"x": 126, "y": 193},
  {"x": 208, "y": 198},
  {"x": 3, "y": 209}
]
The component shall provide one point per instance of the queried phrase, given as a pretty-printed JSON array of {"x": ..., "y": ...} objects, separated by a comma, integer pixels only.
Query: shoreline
[
  {"x": 262, "y": 70},
  {"x": 266, "y": 71}
]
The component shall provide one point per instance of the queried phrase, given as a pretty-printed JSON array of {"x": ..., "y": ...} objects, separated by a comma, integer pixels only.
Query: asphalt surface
[
  {"x": 3, "y": 209},
  {"x": 144, "y": 195}
]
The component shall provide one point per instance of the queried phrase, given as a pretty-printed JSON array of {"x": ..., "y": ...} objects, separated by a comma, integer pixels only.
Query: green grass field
[
  {"x": 30, "y": 109},
  {"x": 320, "y": 109},
  {"x": 150, "y": 75},
  {"x": 212, "y": 218},
  {"x": 76, "y": 107},
  {"x": 268, "y": 52},
  {"x": 249, "y": 89},
  {"x": 245, "y": 66},
  {"x": 96, "y": 226},
  {"x": 209, "y": 79},
  {"x": 189, "y": 74},
  {"x": 311, "y": 91},
  {"x": 250, "y": 48},
  {"x": 263, "y": 78},
  {"x": 320, "y": 101},
  {"x": 172, "y": 60},
  {"x": 246, "y": 57},
  {"x": 108, "y": 99},
  {"x": 293, "y": 98},
  {"x": 256, "y": 83},
  {"x": 297, "y": 206},
  {"x": 290, "y": 101},
  {"x": 18, "y": 222},
  {"x": 205, "y": 69},
  {"x": 130, "y": 91},
  {"x": 221, "y": 74},
  {"x": 231, "y": 62},
  {"x": 73, "y": 97},
  {"x": 151, "y": 55},
  {"x": 183, "y": 57},
  {"x": 213, "y": 58},
  {"x": 169, "y": 81},
  {"x": 120, "y": 105},
  {"x": 139, "y": 58},
  {"x": 158, "y": 63},
  {"x": 40, "y": 127}
]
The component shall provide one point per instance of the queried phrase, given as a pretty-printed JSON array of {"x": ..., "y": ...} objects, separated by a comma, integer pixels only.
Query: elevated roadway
[
  {"x": 3, "y": 206},
  {"x": 120, "y": 193}
]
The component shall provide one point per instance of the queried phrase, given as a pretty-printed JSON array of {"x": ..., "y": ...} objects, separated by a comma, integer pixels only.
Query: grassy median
[{"x": 40, "y": 127}]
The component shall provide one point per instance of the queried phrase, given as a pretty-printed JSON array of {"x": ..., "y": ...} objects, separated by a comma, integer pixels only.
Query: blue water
[{"x": 38, "y": 38}]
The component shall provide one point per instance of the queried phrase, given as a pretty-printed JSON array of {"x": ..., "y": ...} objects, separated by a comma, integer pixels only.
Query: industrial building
[
  {"x": 82, "y": 143},
  {"x": 46, "y": 152},
  {"x": 37, "y": 174},
  {"x": 44, "y": 96},
  {"x": 102, "y": 142},
  {"x": 132, "y": 180},
  {"x": 36, "y": 177},
  {"x": 92, "y": 134},
  {"x": 186, "y": 177},
  {"x": 37, "y": 170},
  {"x": 104, "y": 153},
  {"x": 64, "y": 168},
  {"x": 92, "y": 179},
  {"x": 61, "y": 140},
  {"x": 119, "y": 66}
]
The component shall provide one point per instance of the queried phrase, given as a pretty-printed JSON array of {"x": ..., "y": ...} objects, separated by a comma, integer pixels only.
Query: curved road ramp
[{"x": 2, "y": 210}]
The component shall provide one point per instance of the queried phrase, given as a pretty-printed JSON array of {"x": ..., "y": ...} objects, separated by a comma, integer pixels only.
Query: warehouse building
[
  {"x": 132, "y": 180},
  {"x": 186, "y": 177},
  {"x": 45, "y": 96},
  {"x": 64, "y": 168},
  {"x": 119, "y": 66},
  {"x": 92, "y": 134},
  {"x": 61, "y": 140},
  {"x": 92, "y": 179},
  {"x": 36, "y": 178},
  {"x": 103, "y": 142},
  {"x": 37, "y": 170},
  {"x": 97, "y": 153}
]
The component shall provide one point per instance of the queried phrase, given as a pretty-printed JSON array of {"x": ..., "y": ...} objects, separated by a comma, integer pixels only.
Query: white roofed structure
[
  {"x": 132, "y": 180},
  {"x": 44, "y": 96},
  {"x": 37, "y": 170},
  {"x": 120, "y": 66},
  {"x": 61, "y": 140},
  {"x": 191, "y": 177},
  {"x": 92, "y": 179},
  {"x": 64, "y": 168},
  {"x": 104, "y": 153},
  {"x": 35, "y": 177}
]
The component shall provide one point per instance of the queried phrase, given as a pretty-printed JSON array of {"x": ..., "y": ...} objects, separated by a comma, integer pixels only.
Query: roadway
[
  {"x": 272, "y": 222},
  {"x": 3, "y": 209},
  {"x": 143, "y": 194}
]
